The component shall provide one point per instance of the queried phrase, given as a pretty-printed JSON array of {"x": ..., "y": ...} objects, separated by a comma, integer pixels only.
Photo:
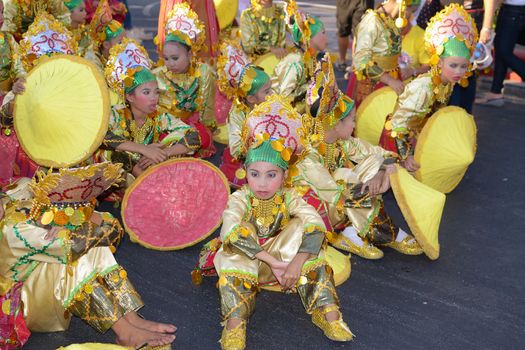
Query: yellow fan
[
  {"x": 63, "y": 115},
  {"x": 445, "y": 148},
  {"x": 339, "y": 262},
  {"x": 226, "y": 11},
  {"x": 422, "y": 208},
  {"x": 221, "y": 135},
  {"x": 372, "y": 113},
  {"x": 93, "y": 346},
  {"x": 268, "y": 62}
]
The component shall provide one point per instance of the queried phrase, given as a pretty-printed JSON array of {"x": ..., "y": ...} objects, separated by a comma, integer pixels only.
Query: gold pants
[{"x": 243, "y": 275}]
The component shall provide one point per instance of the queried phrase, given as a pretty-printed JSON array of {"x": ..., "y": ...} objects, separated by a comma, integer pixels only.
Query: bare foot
[
  {"x": 129, "y": 335},
  {"x": 137, "y": 321}
]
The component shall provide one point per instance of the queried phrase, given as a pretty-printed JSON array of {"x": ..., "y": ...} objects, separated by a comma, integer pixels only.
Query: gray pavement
[{"x": 471, "y": 298}]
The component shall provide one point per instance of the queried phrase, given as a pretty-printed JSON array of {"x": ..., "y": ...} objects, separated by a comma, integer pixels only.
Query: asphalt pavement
[{"x": 470, "y": 298}]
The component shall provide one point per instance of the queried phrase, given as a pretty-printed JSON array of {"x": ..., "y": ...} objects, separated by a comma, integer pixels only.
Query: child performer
[
  {"x": 18, "y": 15},
  {"x": 292, "y": 75},
  {"x": 355, "y": 165},
  {"x": 247, "y": 85},
  {"x": 139, "y": 135},
  {"x": 450, "y": 53},
  {"x": 57, "y": 257},
  {"x": 263, "y": 29},
  {"x": 377, "y": 47},
  {"x": 271, "y": 236},
  {"x": 187, "y": 87}
]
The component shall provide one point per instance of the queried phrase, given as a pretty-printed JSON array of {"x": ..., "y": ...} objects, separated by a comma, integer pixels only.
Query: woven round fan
[
  {"x": 175, "y": 204},
  {"x": 226, "y": 11},
  {"x": 268, "y": 62},
  {"x": 372, "y": 112},
  {"x": 445, "y": 148},
  {"x": 339, "y": 262},
  {"x": 62, "y": 117},
  {"x": 422, "y": 208}
]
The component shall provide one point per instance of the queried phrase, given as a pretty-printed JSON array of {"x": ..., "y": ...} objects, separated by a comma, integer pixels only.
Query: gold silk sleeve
[
  {"x": 177, "y": 132},
  {"x": 234, "y": 218},
  {"x": 313, "y": 174},
  {"x": 367, "y": 44},
  {"x": 207, "y": 91},
  {"x": 289, "y": 79},
  {"x": 10, "y": 15},
  {"x": 60, "y": 11},
  {"x": 314, "y": 228},
  {"x": 414, "y": 103},
  {"x": 356, "y": 150},
  {"x": 236, "y": 118},
  {"x": 249, "y": 33}
]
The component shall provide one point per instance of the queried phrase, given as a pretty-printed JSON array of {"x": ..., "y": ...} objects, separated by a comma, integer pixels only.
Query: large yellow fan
[
  {"x": 226, "y": 11},
  {"x": 445, "y": 148},
  {"x": 268, "y": 62},
  {"x": 372, "y": 113},
  {"x": 339, "y": 262},
  {"x": 94, "y": 346},
  {"x": 63, "y": 115},
  {"x": 422, "y": 208}
]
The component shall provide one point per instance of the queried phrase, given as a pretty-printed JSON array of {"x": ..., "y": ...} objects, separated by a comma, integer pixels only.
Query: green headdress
[
  {"x": 112, "y": 30},
  {"x": 184, "y": 26},
  {"x": 136, "y": 76},
  {"x": 72, "y": 4},
  {"x": 313, "y": 26},
  {"x": 268, "y": 151}
]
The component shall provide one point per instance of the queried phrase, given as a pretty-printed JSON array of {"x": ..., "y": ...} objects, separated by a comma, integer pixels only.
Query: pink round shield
[{"x": 175, "y": 204}]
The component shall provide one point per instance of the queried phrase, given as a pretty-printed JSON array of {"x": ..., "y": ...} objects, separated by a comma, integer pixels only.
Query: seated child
[
  {"x": 271, "y": 236},
  {"x": 187, "y": 87},
  {"x": 139, "y": 135}
]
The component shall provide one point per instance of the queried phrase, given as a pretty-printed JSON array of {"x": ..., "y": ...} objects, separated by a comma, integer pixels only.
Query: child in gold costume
[
  {"x": 187, "y": 87},
  {"x": 271, "y": 236},
  {"x": 377, "y": 47},
  {"x": 19, "y": 14},
  {"x": 139, "y": 135},
  {"x": 450, "y": 64},
  {"x": 248, "y": 86},
  {"x": 57, "y": 257},
  {"x": 357, "y": 173}
]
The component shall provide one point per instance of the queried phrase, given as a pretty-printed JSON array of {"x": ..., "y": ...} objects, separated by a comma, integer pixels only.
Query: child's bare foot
[
  {"x": 130, "y": 335},
  {"x": 137, "y": 321}
]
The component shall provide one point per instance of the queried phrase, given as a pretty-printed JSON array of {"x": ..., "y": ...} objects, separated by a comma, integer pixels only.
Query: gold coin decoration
[
  {"x": 240, "y": 173},
  {"x": 302, "y": 280},
  {"x": 47, "y": 217},
  {"x": 77, "y": 218},
  {"x": 61, "y": 218},
  {"x": 69, "y": 211}
]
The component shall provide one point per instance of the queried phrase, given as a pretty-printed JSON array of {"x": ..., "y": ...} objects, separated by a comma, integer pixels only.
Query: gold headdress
[
  {"x": 183, "y": 26},
  {"x": 45, "y": 37},
  {"x": 125, "y": 61}
]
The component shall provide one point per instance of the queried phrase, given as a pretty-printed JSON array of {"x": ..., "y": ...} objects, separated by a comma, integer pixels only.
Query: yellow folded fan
[
  {"x": 226, "y": 11},
  {"x": 338, "y": 262},
  {"x": 372, "y": 112},
  {"x": 422, "y": 208},
  {"x": 63, "y": 115},
  {"x": 445, "y": 148}
]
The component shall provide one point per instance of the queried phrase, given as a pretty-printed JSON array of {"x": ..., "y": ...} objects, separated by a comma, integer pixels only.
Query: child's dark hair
[{"x": 314, "y": 108}]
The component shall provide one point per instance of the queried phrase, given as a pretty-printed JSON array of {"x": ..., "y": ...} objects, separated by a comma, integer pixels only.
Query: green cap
[
  {"x": 258, "y": 82},
  {"x": 178, "y": 38},
  {"x": 349, "y": 104},
  {"x": 315, "y": 27},
  {"x": 265, "y": 153},
  {"x": 455, "y": 48},
  {"x": 142, "y": 75},
  {"x": 112, "y": 30},
  {"x": 72, "y": 4}
]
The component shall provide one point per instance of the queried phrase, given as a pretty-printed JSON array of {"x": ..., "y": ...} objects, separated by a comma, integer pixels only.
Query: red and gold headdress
[{"x": 45, "y": 37}]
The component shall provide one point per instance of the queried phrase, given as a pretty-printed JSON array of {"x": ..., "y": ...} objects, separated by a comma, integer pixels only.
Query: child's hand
[
  {"x": 278, "y": 269},
  {"x": 374, "y": 184},
  {"x": 1, "y": 211},
  {"x": 155, "y": 152},
  {"x": 53, "y": 232},
  {"x": 292, "y": 274},
  {"x": 397, "y": 85},
  {"x": 410, "y": 164},
  {"x": 19, "y": 86}
]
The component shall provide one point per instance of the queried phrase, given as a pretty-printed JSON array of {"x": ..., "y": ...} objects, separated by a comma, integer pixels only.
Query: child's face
[
  {"x": 344, "y": 128},
  {"x": 176, "y": 57},
  {"x": 145, "y": 97},
  {"x": 265, "y": 179},
  {"x": 78, "y": 15},
  {"x": 320, "y": 41},
  {"x": 453, "y": 69},
  {"x": 266, "y": 3},
  {"x": 107, "y": 45},
  {"x": 260, "y": 96}
]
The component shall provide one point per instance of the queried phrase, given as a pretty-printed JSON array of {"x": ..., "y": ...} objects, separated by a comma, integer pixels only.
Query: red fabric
[
  {"x": 222, "y": 107},
  {"x": 387, "y": 141},
  {"x": 207, "y": 147},
  {"x": 14, "y": 161},
  {"x": 228, "y": 166},
  {"x": 117, "y": 9},
  {"x": 13, "y": 329},
  {"x": 311, "y": 198}
]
